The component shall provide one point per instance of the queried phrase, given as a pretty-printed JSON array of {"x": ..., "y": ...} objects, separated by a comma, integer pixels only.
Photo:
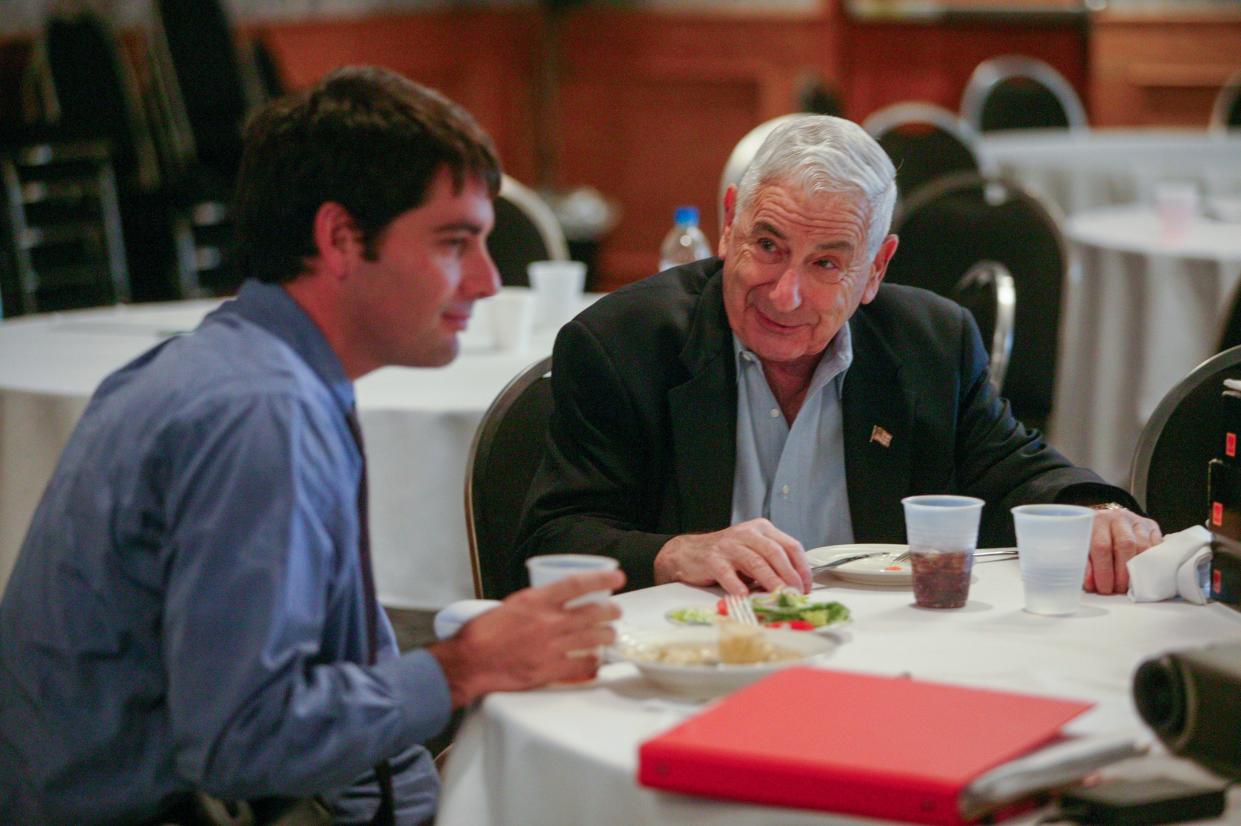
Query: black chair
[
  {"x": 925, "y": 142},
  {"x": 507, "y": 449},
  {"x": 1018, "y": 92},
  {"x": 525, "y": 230},
  {"x": 1169, "y": 477},
  {"x": 1226, "y": 113},
  {"x": 988, "y": 291},
  {"x": 63, "y": 227},
  {"x": 953, "y": 223}
]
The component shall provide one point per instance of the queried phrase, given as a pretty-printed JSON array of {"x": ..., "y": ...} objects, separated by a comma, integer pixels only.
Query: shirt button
[
  {"x": 775, "y": 412},
  {"x": 785, "y": 491}
]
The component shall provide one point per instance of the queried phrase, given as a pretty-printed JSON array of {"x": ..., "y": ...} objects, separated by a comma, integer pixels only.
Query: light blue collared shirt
[
  {"x": 187, "y": 610},
  {"x": 794, "y": 476}
]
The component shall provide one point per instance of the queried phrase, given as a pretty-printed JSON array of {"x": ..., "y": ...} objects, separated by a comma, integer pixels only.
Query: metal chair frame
[
  {"x": 908, "y": 113},
  {"x": 992, "y": 72},
  {"x": 1224, "y": 102},
  {"x": 540, "y": 214},
  {"x": 996, "y": 278}
]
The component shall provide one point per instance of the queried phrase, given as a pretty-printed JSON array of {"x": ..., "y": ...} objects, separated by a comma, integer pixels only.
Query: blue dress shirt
[
  {"x": 187, "y": 611},
  {"x": 794, "y": 475}
]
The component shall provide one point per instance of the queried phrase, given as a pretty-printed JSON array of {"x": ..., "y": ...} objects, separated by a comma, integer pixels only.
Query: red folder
[{"x": 887, "y": 747}]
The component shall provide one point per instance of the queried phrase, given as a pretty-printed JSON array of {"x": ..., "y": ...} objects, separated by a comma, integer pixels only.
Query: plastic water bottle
[{"x": 684, "y": 242}]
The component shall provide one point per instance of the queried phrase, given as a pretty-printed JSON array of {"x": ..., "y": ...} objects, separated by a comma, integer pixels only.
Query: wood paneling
[{"x": 1161, "y": 69}]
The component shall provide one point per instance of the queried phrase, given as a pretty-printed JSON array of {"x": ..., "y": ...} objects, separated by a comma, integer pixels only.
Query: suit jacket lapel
[
  {"x": 704, "y": 430},
  {"x": 878, "y": 414}
]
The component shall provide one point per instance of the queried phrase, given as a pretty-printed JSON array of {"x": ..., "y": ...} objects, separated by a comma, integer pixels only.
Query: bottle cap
[{"x": 686, "y": 215}]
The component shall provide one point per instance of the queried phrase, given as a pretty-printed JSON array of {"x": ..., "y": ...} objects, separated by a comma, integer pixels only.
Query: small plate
[
  {"x": 638, "y": 646},
  {"x": 869, "y": 571}
]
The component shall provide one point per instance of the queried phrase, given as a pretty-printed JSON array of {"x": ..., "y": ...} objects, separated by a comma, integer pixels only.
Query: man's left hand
[{"x": 1118, "y": 536}]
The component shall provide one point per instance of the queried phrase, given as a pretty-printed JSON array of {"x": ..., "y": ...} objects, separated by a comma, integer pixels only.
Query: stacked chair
[
  {"x": 1018, "y": 92},
  {"x": 925, "y": 142}
]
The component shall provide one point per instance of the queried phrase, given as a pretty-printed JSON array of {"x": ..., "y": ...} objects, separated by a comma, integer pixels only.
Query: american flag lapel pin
[{"x": 883, "y": 437}]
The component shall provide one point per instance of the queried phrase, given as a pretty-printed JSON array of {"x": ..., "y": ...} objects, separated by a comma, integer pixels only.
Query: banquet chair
[
  {"x": 1226, "y": 112},
  {"x": 63, "y": 227},
  {"x": 925, "y": 142},
  {"x": 957, "y": 221},
  {"x": 988, "y": 292},
  {"x": 507, "y": 448},
  {"x": 1169, "y": 476},
  {"x": 1018, "y": 92},
  {"x": 742, "y": 154},
  {"x": 525, "y": 230}
]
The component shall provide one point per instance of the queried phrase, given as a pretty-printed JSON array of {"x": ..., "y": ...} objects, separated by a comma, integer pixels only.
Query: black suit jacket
[{"x": 642, "y": 442}]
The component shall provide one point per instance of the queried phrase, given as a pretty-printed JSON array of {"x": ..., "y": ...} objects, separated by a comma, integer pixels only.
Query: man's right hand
[
  {"x": 757, "y": 549},
  {"x": 531, "y": 639}
]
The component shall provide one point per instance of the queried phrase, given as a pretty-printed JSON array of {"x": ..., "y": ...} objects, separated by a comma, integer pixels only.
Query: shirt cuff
[{"x": 421, "y": 689}]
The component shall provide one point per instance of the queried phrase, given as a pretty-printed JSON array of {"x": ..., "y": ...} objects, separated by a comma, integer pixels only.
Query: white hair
[{"x": 821, "y": 153}]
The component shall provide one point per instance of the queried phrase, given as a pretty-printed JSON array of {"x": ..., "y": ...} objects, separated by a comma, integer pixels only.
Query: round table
[
  {"x": 1099, "y": 167},
  {"x": 1141, "y": 310},
  {"x": 569, "y": 754},
  {"x": 418, "y": 423}
]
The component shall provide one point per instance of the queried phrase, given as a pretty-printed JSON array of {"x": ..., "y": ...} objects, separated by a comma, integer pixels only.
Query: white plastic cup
[
  {"x": 943, "y": 532},
  {"x": 545, "y": 570},
  {"x": 1176, "y": 205},
  {"x": 511, "y": 314},
  {"x": 558, "y": 287},
  {"x": 1053, "y": 542}
]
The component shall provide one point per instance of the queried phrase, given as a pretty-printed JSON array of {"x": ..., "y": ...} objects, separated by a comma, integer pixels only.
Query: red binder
[{"x": 887, "y": 747}]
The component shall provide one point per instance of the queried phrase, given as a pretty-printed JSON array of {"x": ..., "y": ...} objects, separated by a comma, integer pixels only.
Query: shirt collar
[
  {"x": 271, "y": 307},
  {"x": 836, "y": 358}
]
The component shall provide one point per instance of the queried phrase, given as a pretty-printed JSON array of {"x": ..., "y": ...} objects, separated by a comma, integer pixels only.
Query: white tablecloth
[
  {"x": 569, "y": 755},
  {"x": 1102, "y": 167},
  {"x": 418, "y": 425},
  {"x": 1141, "y": 311}
]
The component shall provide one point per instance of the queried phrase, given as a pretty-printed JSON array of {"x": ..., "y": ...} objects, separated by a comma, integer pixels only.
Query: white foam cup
[
  {"x": 558, "y": 287},
  {"x": 511, "y": 314}
]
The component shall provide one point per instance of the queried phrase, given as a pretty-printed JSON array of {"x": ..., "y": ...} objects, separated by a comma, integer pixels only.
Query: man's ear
[
  {"x": 338, "y": 241},
  {"x": 730, "y": 213},
  {"x": 879, "y": 268}
]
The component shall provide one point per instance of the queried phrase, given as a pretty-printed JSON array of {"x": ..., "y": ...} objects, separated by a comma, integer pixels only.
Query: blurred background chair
[
  {"x": 988, "y": 291},
  {"x": 925, "y": 142},
  {"x": 525, "y": 230},
  {"x": 63, "y": 227},
  {"x": 1018, "y": 92},
  {"x": 952, "y": 224},
  {"x": 742, "y": 154},
  {"x": 1169, "y": 477},
  {"x": 1226, "y": 112},
  {"x": 507, "y": 449}
]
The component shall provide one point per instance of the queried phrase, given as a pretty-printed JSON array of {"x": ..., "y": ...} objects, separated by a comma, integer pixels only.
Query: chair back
[
  {"x": 1169, "y": 476},
  {"x": 744, "y": 152},
  {"x": 1226, "y": 112},
  {"x": 955, "y": 222},
  {"x": 925, "y": 142},
  {"x": 64, "y": 228},
  {"x": 1019, "y": 92},
  {"x": 988, "y": 291},
  {"x": 525, "y": 230},
  {"x": 507, "y": 449}
]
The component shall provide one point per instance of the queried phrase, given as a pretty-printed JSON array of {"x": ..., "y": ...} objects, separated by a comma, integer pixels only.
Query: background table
[
  {"x": 1100, "y": 167},
  {"x": 1140, "y": 312},
  {"x": 569, "y": 755},
  {"x": 418, "y": 423}
]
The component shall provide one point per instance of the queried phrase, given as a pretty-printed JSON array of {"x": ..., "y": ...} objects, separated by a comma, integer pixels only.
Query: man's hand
[
  {"x": 531, "y": 639},
  {"x": 757, "y": 549},
  {"x": 1118, "y": 536}
]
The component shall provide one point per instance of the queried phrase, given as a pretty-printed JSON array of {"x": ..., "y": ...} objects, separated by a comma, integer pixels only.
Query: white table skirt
[
  {"x": 1140, "y": 312},
  {"x": 569, "y": 755},
  {"x": 418, "y": 425},
  {"x": 1101, "y": 167}
]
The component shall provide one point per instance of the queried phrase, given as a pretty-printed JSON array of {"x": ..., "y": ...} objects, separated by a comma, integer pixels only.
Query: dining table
[
  {"x": 419, "y": 424},
  {"x": 1143, "y": 306},
  {"x": 568, "y": 754}
]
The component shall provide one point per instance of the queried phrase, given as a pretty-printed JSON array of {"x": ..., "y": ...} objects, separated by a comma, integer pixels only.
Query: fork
[{"x": 740, "y": 610}]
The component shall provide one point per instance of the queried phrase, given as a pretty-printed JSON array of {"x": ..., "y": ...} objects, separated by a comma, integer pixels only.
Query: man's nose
[
  {"x": 481, "y": 278},
  {"x": 786, "y": 294}
]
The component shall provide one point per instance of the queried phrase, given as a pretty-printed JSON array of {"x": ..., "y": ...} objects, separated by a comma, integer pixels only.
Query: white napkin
[
  {"x": 1171, "y": 567},
  {"x": 451, "y": 617}
]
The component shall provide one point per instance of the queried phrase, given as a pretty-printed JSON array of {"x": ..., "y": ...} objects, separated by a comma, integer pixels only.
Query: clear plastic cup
[
  {"x": 942, "y": 531},
  {"x": 1053, "y": 542},
  {"x": 512, "y": 318},
  {"x": 558, "y": 287},
  {"x": 545, "y": 570}
]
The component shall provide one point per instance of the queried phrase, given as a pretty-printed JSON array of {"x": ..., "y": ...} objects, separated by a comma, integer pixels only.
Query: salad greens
[{"x": 789, "y": 606}]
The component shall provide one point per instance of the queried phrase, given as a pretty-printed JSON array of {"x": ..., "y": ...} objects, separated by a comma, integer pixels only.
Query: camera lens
[{"x": 1159, "y": 693}]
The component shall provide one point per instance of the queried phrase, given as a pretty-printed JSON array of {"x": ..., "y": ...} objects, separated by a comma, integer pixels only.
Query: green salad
[{"x": 791, "y": 607}]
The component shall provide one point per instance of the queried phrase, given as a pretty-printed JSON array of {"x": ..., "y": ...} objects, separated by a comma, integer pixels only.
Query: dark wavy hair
[{"x": 364, "y": 137}]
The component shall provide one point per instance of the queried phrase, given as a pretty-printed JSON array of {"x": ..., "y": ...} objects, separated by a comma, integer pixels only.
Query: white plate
[
  {"x": 868, "y": 571},
  {"x": 636, "y": 645}
]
